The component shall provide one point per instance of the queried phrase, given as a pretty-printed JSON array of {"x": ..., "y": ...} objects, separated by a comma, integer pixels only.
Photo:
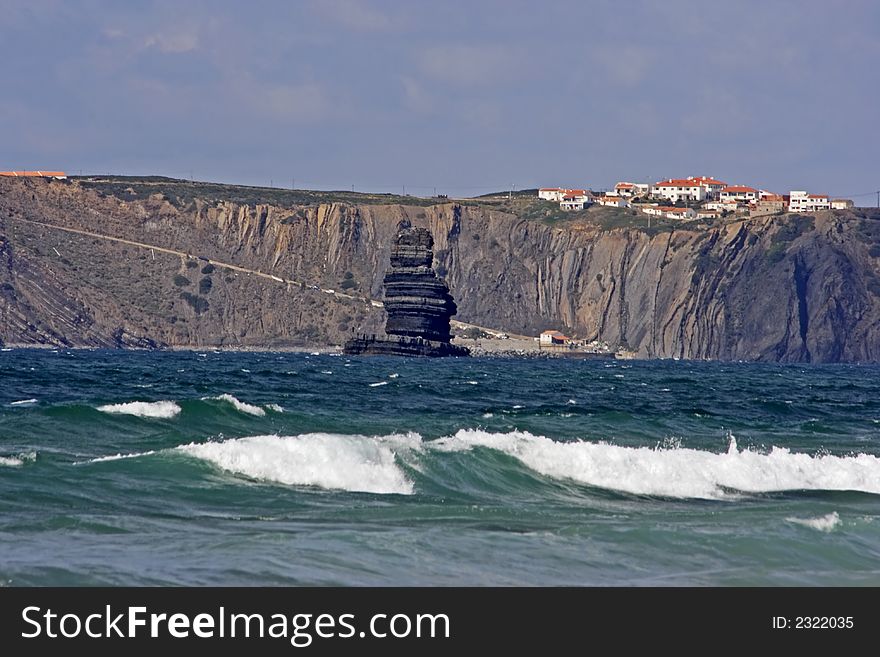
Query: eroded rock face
[
  {"x": 788, "y": 288},
  {"x": 418, "y": 303}
]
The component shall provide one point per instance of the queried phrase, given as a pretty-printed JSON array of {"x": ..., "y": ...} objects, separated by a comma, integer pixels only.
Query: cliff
[{"x": 787, "y": 288}]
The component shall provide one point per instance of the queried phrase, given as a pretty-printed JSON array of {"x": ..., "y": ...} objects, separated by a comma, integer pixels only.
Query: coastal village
[
  {"x": 694, "y": 197},
  {"x": 683, "y": 199}
]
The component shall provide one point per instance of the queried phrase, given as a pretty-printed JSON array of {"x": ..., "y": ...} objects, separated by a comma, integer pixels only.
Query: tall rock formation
[{"x": 417, "y": 302}]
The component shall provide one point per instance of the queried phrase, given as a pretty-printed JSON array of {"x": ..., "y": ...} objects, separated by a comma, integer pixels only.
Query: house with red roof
[
  {"x": 576, "y": 199},
  {"x": 613, "y": 201},
  {"x": 739, "y": 193},
  {"x": 679, "y": 189},
  {"x": 548, "y": 338},
  {"x": 692, "y": 188}
]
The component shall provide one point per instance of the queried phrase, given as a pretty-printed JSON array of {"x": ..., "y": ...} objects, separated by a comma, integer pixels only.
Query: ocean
[{"x": 222, "y": 468}]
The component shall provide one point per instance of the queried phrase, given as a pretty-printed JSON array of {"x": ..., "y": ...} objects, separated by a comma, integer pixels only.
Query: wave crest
[
  {"x": 826, "y": 523},
  {"x": 333, "y": 461},
  {"x": 681, "y": 472},
  {"x": 239, "y": 405},
  {"x": 18, "y": 459},
  {"x": 159, "y": 409}
]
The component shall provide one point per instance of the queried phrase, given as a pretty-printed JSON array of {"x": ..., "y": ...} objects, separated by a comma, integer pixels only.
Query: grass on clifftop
[
  {"x": 182, "y": 192},
  {"x": 524, "y": 203}
]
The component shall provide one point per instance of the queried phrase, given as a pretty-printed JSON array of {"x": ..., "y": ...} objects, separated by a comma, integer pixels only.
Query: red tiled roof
[
  {"x": 709, "y": 181},
  {"x": 739, "y": 189},
  {"x": 678, "y": 182},
  {"x": 623, "y": 185},
  {"x": 696, "y": 181},
  {"x": 550, "y": 189},
  {"x": 817, "y": 195}
]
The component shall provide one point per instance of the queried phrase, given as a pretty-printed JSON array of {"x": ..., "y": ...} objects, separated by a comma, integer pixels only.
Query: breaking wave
[
  {"x": 825, "y": 523},
  {"x": 159, "y": 409},
  {"x": 333, "y": 461},
  {"x": 241, "y": 406},
  {"x": 681, "y": 472},
  {"x": 18, "y": 459},
  {"x": 380, "y": 464}
]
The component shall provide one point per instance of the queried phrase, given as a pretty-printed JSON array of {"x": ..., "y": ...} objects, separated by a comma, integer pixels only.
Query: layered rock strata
[{"x": 417, "y": 302}]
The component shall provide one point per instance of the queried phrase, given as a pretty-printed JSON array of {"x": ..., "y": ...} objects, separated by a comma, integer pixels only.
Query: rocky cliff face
[{"x": 791, "y": 288}]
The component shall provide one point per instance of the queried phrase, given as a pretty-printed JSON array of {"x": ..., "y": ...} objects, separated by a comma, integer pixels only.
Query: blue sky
[{"x": 467, "y": 97}]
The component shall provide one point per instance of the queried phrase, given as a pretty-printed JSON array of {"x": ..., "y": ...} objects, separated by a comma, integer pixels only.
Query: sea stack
[{"x": 417, "y": 301}]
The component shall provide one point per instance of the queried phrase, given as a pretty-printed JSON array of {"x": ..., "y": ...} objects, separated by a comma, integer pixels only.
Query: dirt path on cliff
[{"x": 230, "y": 266}]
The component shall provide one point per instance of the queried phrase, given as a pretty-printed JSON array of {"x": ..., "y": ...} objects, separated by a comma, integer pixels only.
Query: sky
[{"x": 453, "y": 97}]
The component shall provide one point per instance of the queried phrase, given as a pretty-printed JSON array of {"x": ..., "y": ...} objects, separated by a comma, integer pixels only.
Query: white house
[
  {"x": 653, "y": 210},
  {"x": 548, "y": 338},
  {"x": 669, "y": 212},
  {"x": 642, "y": 189},
  {"x": 679, "y": 213},
  {"x": 739, "y": 193},
  {"x": 613, "y": 201},
  {"x": 801, "y": 201},
  {"x": 713, "y": 187},
  {"x": 551, "y": 193},
  {"x": 576, "y": 199},
  {"x": 678, "y": 189},
  {"x": 708, "y": 214},
  {"x": 625, "y": 189},
  {"x": 841, "y": 204},
  {"x": 722, "y": 206}
]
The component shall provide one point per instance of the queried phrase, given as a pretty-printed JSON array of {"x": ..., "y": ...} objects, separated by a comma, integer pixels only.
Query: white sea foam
[
  {"x": 23, "y": 402},
  {"x": 117, "y": 457},
  {"x": 393, "y": 376},
  {"x": 159, "y": 409},
  {"x": 825, "y": 523},
  {"x": 684, "y": 473},
  {"x": 18, "y": 459},
  {"x": 239, "y": 405},
  {"x": 275, "y": 407},
  {"x": 378, "y": 383},
  {"x": 333, "y": 461}
]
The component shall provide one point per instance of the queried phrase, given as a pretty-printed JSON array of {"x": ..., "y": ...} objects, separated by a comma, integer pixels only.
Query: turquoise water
[{"x": 276, "y": 468}]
